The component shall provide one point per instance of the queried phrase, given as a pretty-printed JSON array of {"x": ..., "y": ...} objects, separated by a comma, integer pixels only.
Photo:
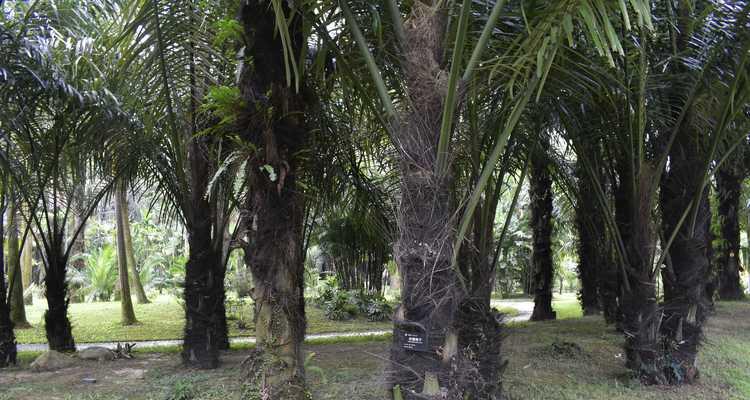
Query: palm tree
[
  {"x": 172, "y": 47},
  {"x": 421, "y": 131},
  {"x": 540, "y": 195}
]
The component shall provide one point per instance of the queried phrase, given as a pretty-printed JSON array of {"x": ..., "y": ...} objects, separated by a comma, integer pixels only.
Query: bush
[
  {"x": 339, "y": 304},
  {"x": 326, "y": 291},
  {"x": 379, "y": 309},
  {"x": 340, "y": 307}
]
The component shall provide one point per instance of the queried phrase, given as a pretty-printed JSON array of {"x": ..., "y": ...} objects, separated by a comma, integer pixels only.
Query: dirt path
[{"x": 524, "y": 307}]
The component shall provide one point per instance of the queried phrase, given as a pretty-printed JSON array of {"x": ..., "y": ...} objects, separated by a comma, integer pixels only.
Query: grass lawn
[
  {"x": 162, "y": 319},
  {"x": 355, "y": 369}
]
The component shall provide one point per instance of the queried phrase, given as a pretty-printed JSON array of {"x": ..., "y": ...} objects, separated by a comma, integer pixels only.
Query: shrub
[
  {"x": 379, "y": 309},
  {"x": 326, "y": 291},
  {"x": 340, "y": 307}
]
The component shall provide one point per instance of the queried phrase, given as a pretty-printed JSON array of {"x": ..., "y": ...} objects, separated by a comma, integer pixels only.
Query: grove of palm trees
[{"x": 427, "y": 199}]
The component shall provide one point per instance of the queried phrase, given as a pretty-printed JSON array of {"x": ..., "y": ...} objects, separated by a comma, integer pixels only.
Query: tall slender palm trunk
[
  {"x": 8, "y": 350},
  {"x": 540, "y": 194},
  {"x": 729, "y": 190},
  {"x": 126, "y": 302},
  {"x": 274, "y": 212},
  {"x": 17, "y": 307},
  {"x": 27, "y": 263},
  {"x": 135, "y": 278}
]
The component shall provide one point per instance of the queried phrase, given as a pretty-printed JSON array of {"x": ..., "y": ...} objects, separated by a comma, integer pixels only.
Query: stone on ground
[
  {"x": 96, "y": 353},
  {"x": 50, "y": 361}
]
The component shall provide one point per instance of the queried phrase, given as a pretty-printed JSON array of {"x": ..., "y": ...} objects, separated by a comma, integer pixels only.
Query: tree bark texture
[
  {"x": 274, "y": 209},
  {"x": 685, "y": 301},
  {"x": 56, "y": 322},
  {"x": 589, "y": 224},
  {"x": 463, "y": 336},
  {"x": 640, "y": 324},
  {"x": 540, "y": 198},
  {"x": 729, "y": 190}
]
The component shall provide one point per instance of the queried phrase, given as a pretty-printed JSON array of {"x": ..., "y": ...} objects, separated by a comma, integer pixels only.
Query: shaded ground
[{"x": 566, "y": 359}]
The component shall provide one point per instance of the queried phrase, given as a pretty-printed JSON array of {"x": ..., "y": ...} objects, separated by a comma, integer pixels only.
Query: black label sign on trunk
[{"x": 412, "y": 336}]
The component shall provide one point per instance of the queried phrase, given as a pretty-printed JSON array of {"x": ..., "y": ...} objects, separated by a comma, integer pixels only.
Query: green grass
[
  {"x": 162, "y": 319},
  {"x": 353, "y": 368},
  {"x": 508, "y": 311},
  {"x": 567, "y": 306}
]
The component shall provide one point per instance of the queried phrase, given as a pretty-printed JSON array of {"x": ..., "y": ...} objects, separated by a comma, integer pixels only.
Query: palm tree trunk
[
  {"x": 136, "y": 284},
  {"x": 56, "y": 322},
  {"x": 685, "y": 302},
  {"x": 275, "y": 213},
  {"x": 638, "y": 302},
  {"x": 729, "y": 184},
  {"x": 540, "y": 197},
  {"x": 590, "y": 245},
  {"x": 204, "y": 294},
  {"x": 8, "y": 350},
  {"x": 461, "y": 336},
  {"x": 17, "y": 307},
  {"x": 126, "y": 301},
  {"x": 27, "y": 263}
]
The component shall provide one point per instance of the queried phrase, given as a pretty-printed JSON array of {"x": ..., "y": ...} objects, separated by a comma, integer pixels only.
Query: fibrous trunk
[
  {"x": 126, "y": 302},
  {"x": 685, "y": 301},
  {"x": 56, "y": 322},
  {"x": 540, "y": 197},
  {"x": 274, "y": 209},
  {"x": 8, "y": 350},
  {"x": 459, "y": 353},
  {"x": 640, "y": 317},
  {"x": 205, "y": 333},
  {"x": 589, "y": 224},
  {"x": 729, "y": 190}
]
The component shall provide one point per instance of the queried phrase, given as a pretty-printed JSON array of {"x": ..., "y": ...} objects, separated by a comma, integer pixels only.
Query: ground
[
  {"x": 164, "y": 319},
  {"x": 574, "y": 358}
]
